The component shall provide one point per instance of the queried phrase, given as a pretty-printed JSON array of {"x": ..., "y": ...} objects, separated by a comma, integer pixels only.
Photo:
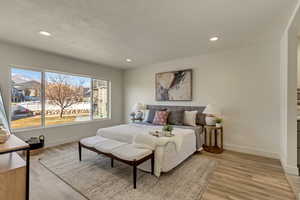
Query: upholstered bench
[
  {"x": 123, "y": 152},
  {"x": 92, "y": 141}
]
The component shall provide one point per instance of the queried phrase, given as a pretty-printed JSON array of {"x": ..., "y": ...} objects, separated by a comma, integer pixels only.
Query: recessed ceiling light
[
  {"x": 128, "y": 60},
  {"x": 213, "y": 39},
  {"x": 45, "y": 33}
]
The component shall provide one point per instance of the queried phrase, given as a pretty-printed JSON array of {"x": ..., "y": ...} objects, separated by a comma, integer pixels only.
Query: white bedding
[{"x": 167, "y": 156}]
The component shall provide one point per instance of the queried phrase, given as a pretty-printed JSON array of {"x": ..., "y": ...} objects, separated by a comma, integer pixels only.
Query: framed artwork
[{"x": 174, "y": 86}]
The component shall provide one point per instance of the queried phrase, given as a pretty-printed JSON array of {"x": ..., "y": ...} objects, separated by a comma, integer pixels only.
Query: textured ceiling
[{"x": 147, "y": 31}]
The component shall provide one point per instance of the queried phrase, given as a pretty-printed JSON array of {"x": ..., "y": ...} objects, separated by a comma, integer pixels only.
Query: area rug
[{"x": 96, "y": 180}]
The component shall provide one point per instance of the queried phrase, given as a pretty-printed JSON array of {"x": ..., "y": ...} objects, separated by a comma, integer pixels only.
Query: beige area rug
[{"x": 96, "y": 180}]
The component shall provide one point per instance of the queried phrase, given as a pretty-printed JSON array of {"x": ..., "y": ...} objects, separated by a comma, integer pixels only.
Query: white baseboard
[
  {"x": 288, "y": 169},
  {"x": 258, "y": 152},
  {"x": 64, "y": 141}
]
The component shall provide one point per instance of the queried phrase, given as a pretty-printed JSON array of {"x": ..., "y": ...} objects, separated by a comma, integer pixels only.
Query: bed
[{"x": 167, "y": 156}]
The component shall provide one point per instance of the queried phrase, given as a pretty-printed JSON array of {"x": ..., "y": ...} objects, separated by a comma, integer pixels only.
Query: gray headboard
[{"x": 200, "y": 116}]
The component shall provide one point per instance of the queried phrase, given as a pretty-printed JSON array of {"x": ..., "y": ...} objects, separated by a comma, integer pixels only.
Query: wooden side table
[{"x": 209, "y": 131}]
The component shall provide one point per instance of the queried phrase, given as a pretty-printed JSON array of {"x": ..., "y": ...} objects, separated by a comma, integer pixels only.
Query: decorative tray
[{"x": 161, "y": 134}]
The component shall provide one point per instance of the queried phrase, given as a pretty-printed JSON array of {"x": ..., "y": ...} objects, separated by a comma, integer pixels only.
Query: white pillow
[
  {"x": 190, "y": 118},
  {"x": 145, "y": 116}
]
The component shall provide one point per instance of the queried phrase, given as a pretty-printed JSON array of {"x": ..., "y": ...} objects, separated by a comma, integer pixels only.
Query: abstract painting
[{"x": 174, "y": 86}]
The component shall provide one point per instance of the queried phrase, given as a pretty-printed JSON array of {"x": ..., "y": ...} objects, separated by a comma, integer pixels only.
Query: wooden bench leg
[
  {"x": 79, "y": 150},
  {"x": 134, "y": 175},
  {"x": 112, "y": 162},
  {"x": 152, "y": 164}
]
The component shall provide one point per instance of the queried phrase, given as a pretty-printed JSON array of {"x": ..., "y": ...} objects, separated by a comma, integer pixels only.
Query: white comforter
[{"x": 138, "y": 134}]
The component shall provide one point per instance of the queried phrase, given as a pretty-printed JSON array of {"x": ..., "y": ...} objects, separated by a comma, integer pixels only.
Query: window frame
[
  {"x": 10, "y": 96},
  {"x": 43, "y": 99},
  {"x": 108, "y": 99}
]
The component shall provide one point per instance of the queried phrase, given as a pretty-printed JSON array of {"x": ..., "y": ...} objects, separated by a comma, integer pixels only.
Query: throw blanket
[
  {"x": 198, "y": 131},
  {"x": 145, "y": 140}
]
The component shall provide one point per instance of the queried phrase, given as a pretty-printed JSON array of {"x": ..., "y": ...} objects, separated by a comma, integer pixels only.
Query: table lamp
[
  {"x": 211, "y": 111},
  {"x": 137, "y": 109}
]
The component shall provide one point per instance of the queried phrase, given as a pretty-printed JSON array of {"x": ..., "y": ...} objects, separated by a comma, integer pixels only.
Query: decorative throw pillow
[
  {"x": 160, "y": 118},
  {"x": 145, "y": 116},
  {"x": 190, "y": 118},
  {"x": 151, "y": 114},
  {"x": 176, "y": 117}
]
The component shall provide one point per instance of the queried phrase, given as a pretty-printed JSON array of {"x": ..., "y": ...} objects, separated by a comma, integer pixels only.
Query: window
[
  {"x": 100, "y": 99},
  {"x": 25, "y": 98},
  {"x": 40, "y": 99},
  {"x": 68, "y": 98}
]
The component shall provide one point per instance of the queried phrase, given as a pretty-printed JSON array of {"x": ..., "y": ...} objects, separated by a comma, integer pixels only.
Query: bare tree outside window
[
  {"x": 60, "y": 92},
  {"x": 68, "y": 98}
]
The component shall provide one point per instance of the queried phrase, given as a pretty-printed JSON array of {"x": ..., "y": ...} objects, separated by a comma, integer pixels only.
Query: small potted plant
[
  {"x": 167, "y": 130},
  {"x": 219, "y": 122}
]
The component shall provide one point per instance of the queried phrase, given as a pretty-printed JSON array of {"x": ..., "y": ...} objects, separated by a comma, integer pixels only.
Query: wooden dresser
[
  {"x": 14, "y": 171},
  {"x": 12, "y": 177}
]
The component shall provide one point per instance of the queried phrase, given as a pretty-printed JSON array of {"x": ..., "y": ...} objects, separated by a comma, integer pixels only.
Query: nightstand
[{"x": 209, "y": 132}]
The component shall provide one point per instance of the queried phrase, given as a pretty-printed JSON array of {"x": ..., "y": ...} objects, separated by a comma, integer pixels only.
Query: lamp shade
[
  {"x": 212, "y": 110},
  {"x": 138, "y": 107}
]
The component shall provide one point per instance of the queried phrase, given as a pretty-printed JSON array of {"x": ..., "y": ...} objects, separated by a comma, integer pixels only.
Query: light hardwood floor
[
  {"x": 295, "y": 183},
  {"x": 237, "y": 177},
  {"x": 242, "y": 176}
]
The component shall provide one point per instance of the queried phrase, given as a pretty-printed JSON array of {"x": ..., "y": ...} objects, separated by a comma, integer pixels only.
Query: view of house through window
[
  {"x": 67, "y": 98},
  {"x": 25, "y": 98}
]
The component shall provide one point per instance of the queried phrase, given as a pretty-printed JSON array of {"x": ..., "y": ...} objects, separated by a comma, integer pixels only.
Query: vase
[
  {"x": 211, "y": 121},
  {"x": 167, "y": 133},
  {"x": 218, "y": 125},
  {"x": 4, "y": 135}
]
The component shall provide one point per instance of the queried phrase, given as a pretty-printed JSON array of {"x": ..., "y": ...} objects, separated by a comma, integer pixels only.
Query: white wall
[
  {"x": 12, "y": 55},
  {"x": 283, "y": 99},
  {"x": 288, "y": 104},
  {"x": 298, "y": 64},
  {"x": 243, "y": 82}
]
